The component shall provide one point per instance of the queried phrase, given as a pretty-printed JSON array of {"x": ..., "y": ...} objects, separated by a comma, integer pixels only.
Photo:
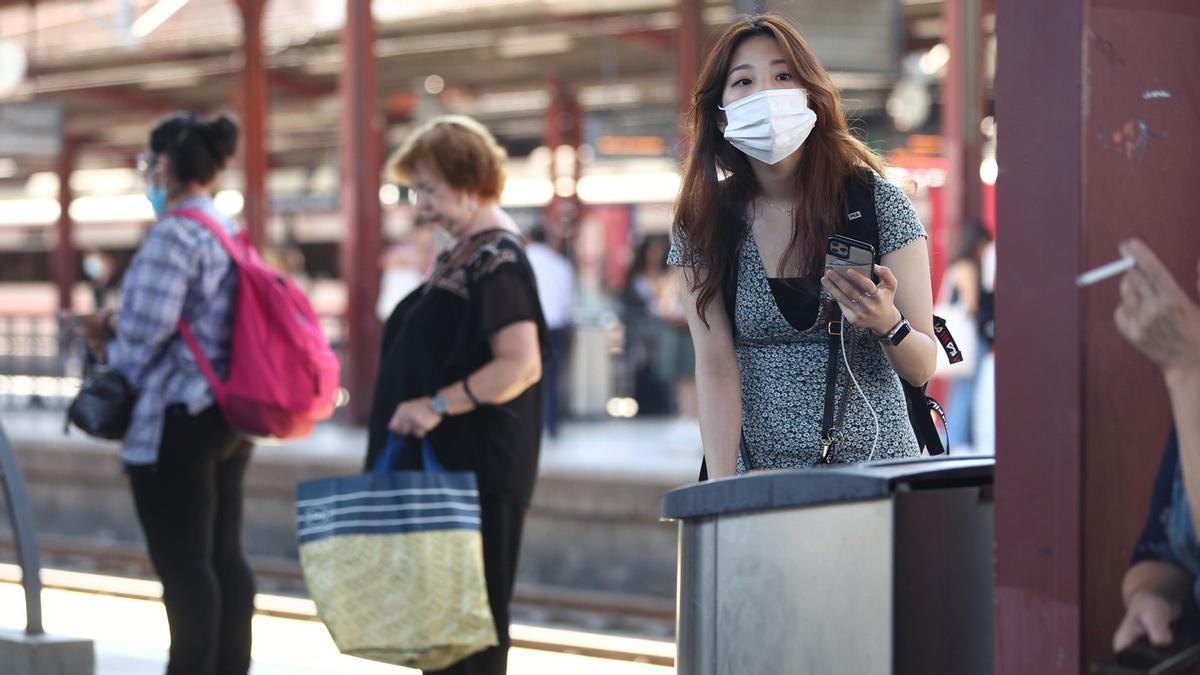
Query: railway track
[{"x": 616, "y": 626}]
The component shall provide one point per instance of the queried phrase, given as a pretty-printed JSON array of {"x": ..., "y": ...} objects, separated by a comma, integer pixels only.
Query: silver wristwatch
[
  {"x": 898, "y": 332},
  {"x": 439, "y": 405}
]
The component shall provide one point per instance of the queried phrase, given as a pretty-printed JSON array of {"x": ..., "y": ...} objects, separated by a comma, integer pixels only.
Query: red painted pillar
[
  {"x": 962, "y": 110},
  {"x": 564, "y": 127},
  {"x": 254, "y": 120},
  {"x": 1096, "y": 143},
  {"x": 689, "y": 45},
  {"x": 64, "y": 253},
  {"x": 689, "y": 54},
  {"x": 361, "y": 162}
]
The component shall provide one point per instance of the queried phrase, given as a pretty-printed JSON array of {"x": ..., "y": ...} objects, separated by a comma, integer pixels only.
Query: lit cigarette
[{"x": 1103, "y": 272}]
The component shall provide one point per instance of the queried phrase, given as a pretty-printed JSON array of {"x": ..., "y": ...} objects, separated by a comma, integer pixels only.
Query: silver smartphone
[{"x": 844, "y": 253}]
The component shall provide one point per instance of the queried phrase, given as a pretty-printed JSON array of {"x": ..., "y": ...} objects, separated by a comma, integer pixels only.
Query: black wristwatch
[
  {"x": 898, "y": 332},
  {"x": 439, "y": 405}
]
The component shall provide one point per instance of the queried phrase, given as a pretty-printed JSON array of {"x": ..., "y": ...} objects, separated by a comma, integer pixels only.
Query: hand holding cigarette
[{"x": 1156, "y": 315}]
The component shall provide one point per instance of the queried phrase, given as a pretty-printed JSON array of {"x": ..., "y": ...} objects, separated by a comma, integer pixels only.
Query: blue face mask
[{"x": 157, "y": 194}]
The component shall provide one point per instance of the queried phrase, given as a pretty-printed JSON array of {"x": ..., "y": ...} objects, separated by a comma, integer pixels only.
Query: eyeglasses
[{"x": 147, "y": 164}]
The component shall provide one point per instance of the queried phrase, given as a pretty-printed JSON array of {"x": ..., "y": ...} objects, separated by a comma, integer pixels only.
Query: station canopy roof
[{"x": 114, "y": 65}]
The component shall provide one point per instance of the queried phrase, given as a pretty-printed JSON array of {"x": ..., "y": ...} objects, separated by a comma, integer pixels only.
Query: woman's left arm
[
  {"x": 903, "y": 289},
  {"x": 516, "y": 366}
]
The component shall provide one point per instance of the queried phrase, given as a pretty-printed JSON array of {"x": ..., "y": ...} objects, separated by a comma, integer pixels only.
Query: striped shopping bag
[{"x": 394, "y": 563}]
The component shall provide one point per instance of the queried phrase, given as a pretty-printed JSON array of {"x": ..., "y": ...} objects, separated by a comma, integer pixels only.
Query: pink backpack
[{"x": 283, "y": 377}]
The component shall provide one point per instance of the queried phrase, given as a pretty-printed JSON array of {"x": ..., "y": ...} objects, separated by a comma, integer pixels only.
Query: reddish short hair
[{"x": 460, "y": 150}]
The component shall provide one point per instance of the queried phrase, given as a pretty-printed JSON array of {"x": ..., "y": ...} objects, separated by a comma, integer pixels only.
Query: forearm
[
  {"x": 1167, "y": 581},
  {"x": 1183, "y": 388},
  {"x": 915, "y": 358},
  {"x": 497, "y": 383},
  {"x": 719, "y": 399}
]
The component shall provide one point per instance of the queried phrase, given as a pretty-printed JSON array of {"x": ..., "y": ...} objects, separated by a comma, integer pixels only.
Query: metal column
[
  {"x": 361, "y": 163},
  {"x": 21, "y": 515}
]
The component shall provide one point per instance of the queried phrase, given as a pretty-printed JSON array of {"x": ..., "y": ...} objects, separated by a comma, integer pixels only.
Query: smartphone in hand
[{"x": 844, "y": 253}]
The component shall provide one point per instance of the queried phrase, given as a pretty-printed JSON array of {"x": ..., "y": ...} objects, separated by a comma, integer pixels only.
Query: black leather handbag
[{"x": 104, "y": 404}]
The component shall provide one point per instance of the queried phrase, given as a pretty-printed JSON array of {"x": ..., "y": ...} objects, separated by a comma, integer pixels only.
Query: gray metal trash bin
[{"x": 857, "y": 569}]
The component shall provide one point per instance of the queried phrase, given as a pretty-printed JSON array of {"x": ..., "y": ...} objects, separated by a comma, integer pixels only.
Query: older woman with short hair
[{"x": 462, "y": 354}]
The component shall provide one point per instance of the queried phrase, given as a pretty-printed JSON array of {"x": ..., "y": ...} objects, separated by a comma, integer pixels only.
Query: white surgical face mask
[{"x": 769, "y": 125}]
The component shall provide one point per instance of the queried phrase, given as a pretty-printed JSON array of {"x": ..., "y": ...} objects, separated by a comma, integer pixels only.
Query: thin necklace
[{"x": 786, "y": 212}]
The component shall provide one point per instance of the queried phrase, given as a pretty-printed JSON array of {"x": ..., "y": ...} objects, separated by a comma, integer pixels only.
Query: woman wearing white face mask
[{"x": 752, "y": 247}]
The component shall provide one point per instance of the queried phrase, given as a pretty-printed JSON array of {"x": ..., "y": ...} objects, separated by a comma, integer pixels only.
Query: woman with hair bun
[{"x": 185, "y": 464}]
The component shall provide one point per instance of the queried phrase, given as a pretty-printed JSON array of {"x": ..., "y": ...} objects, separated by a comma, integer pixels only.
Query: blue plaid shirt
[{"x": 179, "y": 270}]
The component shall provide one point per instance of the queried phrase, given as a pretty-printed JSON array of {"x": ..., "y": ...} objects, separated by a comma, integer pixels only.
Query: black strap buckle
[{"x": 834, "y": 328}]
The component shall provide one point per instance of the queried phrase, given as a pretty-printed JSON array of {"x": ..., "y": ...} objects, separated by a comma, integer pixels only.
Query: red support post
[
  {"x": 1081, "y": 416},
  {"x": 64, "y": 253},
  {"x": 254, "y": 101},
  {"x": 564, "y": 126},
  {"x": 361, "y": 163},
  {"x": 689, "y": 45}
]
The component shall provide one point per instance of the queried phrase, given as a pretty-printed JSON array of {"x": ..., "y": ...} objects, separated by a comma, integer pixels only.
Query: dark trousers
[
  {"x": 190, "y": 508},
  {"x": 501, "y": 525},
  {"x": 552, "y": 376}
]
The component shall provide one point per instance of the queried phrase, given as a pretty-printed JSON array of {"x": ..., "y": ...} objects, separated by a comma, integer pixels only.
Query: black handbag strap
[{"x": 834, "y": 329}]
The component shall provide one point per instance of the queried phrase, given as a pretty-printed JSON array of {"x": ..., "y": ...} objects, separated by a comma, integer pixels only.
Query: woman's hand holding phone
[
  {"x": 95, "y": 328},
  {"x": 864, "y": 303}
]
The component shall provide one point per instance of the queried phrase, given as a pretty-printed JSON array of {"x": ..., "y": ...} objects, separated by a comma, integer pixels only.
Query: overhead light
[
  {"x": 632, "y": 188},
  {"x": 934, "y": 60},
  {"x": 229, "y": 202},
  {"x": 534, "y": 44},
  {"x": 12, "y": 66},
  {"x": 28, "y": 211},
  {"x": 989, "y": 171},
  {"x": 526, "y": 192},
  {"x": 434, "y": 84},
  {"x": 155, "y": 17}
]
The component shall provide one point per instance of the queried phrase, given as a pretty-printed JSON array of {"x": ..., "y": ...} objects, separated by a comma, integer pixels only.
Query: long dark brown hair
[{"x": 710, "y": 214}]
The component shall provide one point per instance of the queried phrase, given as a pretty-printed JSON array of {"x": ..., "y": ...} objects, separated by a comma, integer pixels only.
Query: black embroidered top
[{"x": 441, "y": 333}]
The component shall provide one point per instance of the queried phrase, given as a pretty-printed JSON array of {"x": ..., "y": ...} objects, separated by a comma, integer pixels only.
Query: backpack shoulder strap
[
  {"x": 217, "y": 230},
  {"x": 185, "y": 331},
  {"x": 858, "y": 222}
]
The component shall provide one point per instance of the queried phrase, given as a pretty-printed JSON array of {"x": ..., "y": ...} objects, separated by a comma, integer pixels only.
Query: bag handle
[{"x": 393, "y": 449}]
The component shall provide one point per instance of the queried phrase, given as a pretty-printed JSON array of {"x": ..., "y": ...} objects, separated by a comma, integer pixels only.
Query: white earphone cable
[{"x": 850, "y": 371}]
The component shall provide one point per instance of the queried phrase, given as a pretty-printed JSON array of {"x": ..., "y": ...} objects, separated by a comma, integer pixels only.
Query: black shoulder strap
[{"x": 860, "y": 223}]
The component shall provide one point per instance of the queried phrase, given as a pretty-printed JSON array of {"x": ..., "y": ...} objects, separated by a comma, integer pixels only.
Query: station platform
[
  {"x": 595, "y": 554},
  {"x": 131, "y": 638}
]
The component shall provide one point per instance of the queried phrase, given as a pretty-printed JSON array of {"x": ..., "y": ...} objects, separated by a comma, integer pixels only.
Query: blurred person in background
[
  {"x": 462, "y": 355},
  {"x": 641, "y": 314},
  {"x": 1162, "y": 321},
  {"x": 676, "y": 355},
  {"x": 99, "y": 269},
  {"x": 406, "y": 264},
  {"x": 964, "y": 287},
  {"x": 556, "y": 290},
  {"x": 185, "y": 464},
  {"x": 766, "y": 116}
]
